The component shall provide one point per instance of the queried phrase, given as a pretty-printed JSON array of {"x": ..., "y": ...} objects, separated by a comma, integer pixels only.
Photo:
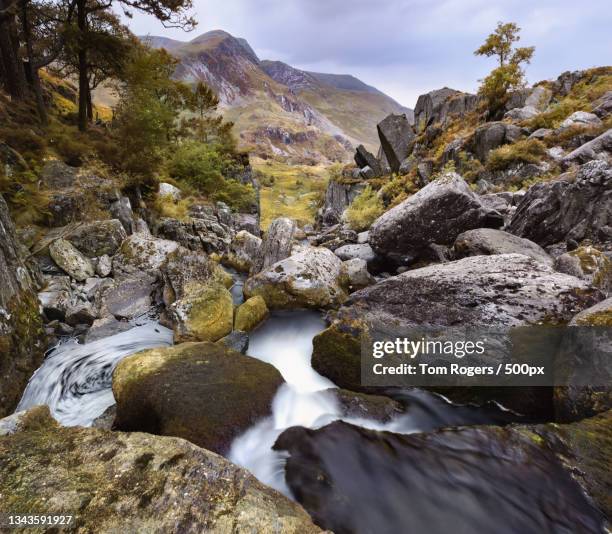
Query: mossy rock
[
  {"x": 203, "y": 392},
  {"x": 598, "y": 315},
  {"x": 206, "y": 315},
  {"x": 118, "y": 482},
  {"x": 250, "y": 314}
]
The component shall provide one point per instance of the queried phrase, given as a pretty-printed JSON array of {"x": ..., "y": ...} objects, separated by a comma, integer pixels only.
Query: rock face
[
  {"x": 135, "y": 483},
  {"x": 313, "y": 278},
  {"x": 562, "y": 210},
  {"x": 343, "y": 475},
  {"x": 396, "y": 138},
  {"x": 487, "y": 241},
  {"x": 202, "y": 392},
  {"x": 21, "y": 333},
  {"x": 492, "y": 135},
  {"x": 436, "y": 106},
  {"x": 438, "y": 213},
  {"x": 276, "y": 245}
]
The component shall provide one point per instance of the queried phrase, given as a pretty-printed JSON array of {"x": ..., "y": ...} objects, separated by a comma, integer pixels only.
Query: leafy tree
[{"x": 508, "y": 75}]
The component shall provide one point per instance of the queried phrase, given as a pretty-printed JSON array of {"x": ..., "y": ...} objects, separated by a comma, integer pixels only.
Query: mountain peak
[{"x": 217, "y": 38}]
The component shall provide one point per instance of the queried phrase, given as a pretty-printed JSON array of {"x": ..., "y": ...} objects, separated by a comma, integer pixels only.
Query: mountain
[{"x": 298, "y": 116}]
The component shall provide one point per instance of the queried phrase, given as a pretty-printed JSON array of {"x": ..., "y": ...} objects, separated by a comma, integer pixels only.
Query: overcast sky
[{"x": 406, "y": 47}]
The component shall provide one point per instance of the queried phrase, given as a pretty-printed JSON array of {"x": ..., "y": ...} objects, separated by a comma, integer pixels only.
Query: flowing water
[{"x": 75, "y": 380}]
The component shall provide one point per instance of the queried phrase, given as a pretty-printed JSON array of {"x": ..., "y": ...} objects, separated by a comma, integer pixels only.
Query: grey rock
[
  {"x": 356, "y": 270},
  {"x": 276, "y": 245},
  {"x": 248, "y": 222},
  {"x": 80, "y": 313},
  {"x": 129, "y": 298},
  {"x": 362, "y": 251},
  {"x": 438, "y": 213},
  {"x": 243, "y": 251},
  {"x": 141, "y": 254},
  {"x": 521, "y": 114},
  {"x": 107, "y": 419},
  {"x": 439, "y": 105},
  {"x": 56, "y": 297},
  {"x": 237, "y": 340},
  {"x": 598, "y": 148},
  {"x": 487, "y": 241},
  {"x": 57, "y": 175},
  {"x": 185, "y": 272},
  {"x": 204, "y": 232},
  {"x": 397, "y": 137},
  {"x": 313, "y": 278},
  {"x": 566, "y": 209},
  {"x": 492, "y": 135},
  {"x": 122, "y": 210},
  {"x": 424, "y": 172},
  {"x": 367, "y": 173},
  {"x": 363, "y": 237},
  {"x": 70, "y": 260},
  {"x": 539, "y": 98},
  {"x": 338, "y": 197},
  {"x": 581, "y": 118},
  {"x": 602, "y": 107},
  {"x": 105, "y": 327},
  {"x": 556, "y": 153},
  {"x": 364, "y": 158},
  {"x": 168, "y": 190},
  {"x": 96, "y": 238},
  {"x": 104, "y": 266},
  {"x": 541, "y": 133}
]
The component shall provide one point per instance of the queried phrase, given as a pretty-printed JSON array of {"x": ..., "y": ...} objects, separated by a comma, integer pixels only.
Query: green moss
[
  {"x": 364, "y": 210},
  {"x": 337, "y": 356},
  {"x": 524, "y": 151},
  {"x": 250, "y": 314}
]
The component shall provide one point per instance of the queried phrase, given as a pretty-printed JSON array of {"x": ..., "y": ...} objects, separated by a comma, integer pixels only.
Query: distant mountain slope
[{"x": 303, "y": 117}]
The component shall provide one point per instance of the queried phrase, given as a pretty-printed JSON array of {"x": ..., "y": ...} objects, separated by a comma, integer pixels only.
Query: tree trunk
[
  {"x": 82, "y": 56},
  {"x": 34, "y": 78},
  {"x": 12, "y": 66},
  {"x": 90, "y": 116}
]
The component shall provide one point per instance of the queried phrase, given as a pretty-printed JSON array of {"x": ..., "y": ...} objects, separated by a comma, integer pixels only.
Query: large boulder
[
  {"x": 97, "y": 238},
  {"x": 492, "y": 135},
  {"x": 276, "y": 245},
  {"x": 498, "y": 292},
  {"x": 202, "y": 392},
  {"x": 312, "y": 278},
  {"x": 141, "y": 253},
  {"x": 357, "y": 274},
  {"x": 568, "y": 209},
  {"x": 599, "y": 148},
  {"x": 120, "y": 482},
  {"x": 588, "y": 263},
  {"x": 70, "y": 260},
  {"x": 21, "y": 332},
  {"x": 436, "y": 106},
  {"x": 204, "y": 231},
  {"x": 242, "y": 251},
  {"x": 453, "y": 479},
  {"x": 184, "y": 272},
  {"x": 397, "y": 138},
  {"x": 581, "y": 118},
  {"x": 128, "y": 298},
  {"x": 438, "y": 213},
  {"x": 488, "y": 241},
  {"x": 338, "y": 197},
  {"x": 602, "y": 107}
]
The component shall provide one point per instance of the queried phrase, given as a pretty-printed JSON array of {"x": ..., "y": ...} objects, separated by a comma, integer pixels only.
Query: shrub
[
  {"x": 524, "y": 151},
  {"x": 364, "y": 210},
  {"x": 166, "y": 206}
]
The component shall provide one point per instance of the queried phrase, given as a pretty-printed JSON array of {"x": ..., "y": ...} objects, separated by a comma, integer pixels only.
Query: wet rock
[
  {"x": 487, "y": 241},
  {"x": 250, "y": 314},
  {"x": 343, "y": 475},
  {"x": 243, "y": 251},
  {"x": 136, "y": 483},
  {"x": 396, "y": 138},
  {"x": 129, "y": 298},
  {"x": 364, "y": 158},
  {"x": 363, "y": 406},
  {"x": 312, "y": 278},
  {"x": 598, "y": 315},
  {"x": 141, "y": 254},
  {"x": 202, "y": 392},
  {"x": 566, "y": 209},
  {"x": 599, "y": 148},
  {"x": 356, "y": 270},
  {"x": 107, "y": 419},
  {"x": 492, "y": 135},
  {"x": 237, "y": 340},
  {"x": 105, "y": 327},
  {"x": 438, "y": 213},
  {"x": 80, "y": 313},
  {"x": 203, "y": 315},
  {"x": 22, "y": 337},
  {"x": 70, "y": 260},
  {"x": 276, "y": 245},
  {"x": 104, "y": 266},
  {"x": 56, "y": 297}
]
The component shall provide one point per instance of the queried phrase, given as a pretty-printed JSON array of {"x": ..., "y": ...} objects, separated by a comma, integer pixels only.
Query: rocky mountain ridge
[{"x": 299, "y": 116}]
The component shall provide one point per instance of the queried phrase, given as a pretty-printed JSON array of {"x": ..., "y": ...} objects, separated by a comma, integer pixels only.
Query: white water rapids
[{"x": 75, "y": 382}]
